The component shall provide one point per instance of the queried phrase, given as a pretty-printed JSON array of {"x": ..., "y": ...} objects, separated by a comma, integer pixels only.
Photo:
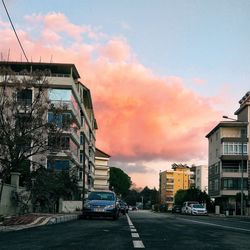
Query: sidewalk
[{"x": 16, "y": 223}]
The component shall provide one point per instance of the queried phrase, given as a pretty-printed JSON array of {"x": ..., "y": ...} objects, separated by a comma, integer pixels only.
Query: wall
[
  {"x": 69, "y": 206},
  {"x": 7, "y": 206}
]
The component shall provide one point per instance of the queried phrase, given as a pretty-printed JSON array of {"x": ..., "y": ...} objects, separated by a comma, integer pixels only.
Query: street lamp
[{"x": 242, "y": 162}]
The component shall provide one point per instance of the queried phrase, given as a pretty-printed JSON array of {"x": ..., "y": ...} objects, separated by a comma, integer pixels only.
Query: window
[
  {"x": 234, "y": 148},
  {"x": 59, "y": 164},
  {"x": 81, "y": 139},
  {"x": 216, "y": 185},
  {"x": 234, "y": 183},
  {"x": 81, "y": 157},
  {"x": 62, "y": 142},
  {"x": 24, "y": 97}
]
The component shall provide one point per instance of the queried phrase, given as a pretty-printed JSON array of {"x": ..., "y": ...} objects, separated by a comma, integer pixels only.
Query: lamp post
[{"x": 242, "y": 163}]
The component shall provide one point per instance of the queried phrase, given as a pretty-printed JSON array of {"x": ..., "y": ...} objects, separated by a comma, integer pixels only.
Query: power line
[{"x": 14, "y": 30}]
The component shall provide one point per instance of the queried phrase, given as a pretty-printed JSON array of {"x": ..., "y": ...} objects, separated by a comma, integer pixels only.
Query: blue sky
[
  {"x": 204, "y": 43},
  {"x": 208, "y": 40}
]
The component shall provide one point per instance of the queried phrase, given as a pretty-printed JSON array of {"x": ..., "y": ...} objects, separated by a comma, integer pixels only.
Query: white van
[{"x": 186, "y": 208}]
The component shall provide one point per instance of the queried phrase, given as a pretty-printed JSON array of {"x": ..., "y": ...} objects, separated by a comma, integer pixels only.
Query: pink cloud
[
  {"x": 199, "y": 81},
  {"x": 115, "y": 50},
  {"x": 140, "y": 115}
]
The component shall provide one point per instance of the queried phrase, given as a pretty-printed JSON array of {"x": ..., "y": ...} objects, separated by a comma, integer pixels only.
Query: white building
[
  {"x": 201, "y": 178},
  {"x": 101, "y": 170}
]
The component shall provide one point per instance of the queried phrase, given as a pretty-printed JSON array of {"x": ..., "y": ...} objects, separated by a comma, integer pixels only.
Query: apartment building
[
  {"x": 87, "y": 138},
  {"x": 228, "y": 152},
  {"x": 171, "y": 181},
  {"x": 65, "y": 89},
  {"x": 199, "y": 177},
  {"x": 101, "y": 170}
]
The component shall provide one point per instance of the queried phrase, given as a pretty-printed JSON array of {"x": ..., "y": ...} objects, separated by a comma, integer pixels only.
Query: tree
[
  {"x": 119, "y": 181},
  {"x": 193, "y": 194},
  {"x": 49, "y": 186},
  {"x": 24, "y": 127},
  {"x": 150, "y": 196}
]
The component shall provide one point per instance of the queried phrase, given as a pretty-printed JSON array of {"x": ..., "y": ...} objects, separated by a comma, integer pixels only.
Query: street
[{"x": 137, "y": 230}]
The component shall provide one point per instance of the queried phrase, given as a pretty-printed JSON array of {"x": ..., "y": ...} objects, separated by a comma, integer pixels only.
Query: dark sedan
[
  {"x": 101, "y": 203},
  {"x": 176, "y": 209}
]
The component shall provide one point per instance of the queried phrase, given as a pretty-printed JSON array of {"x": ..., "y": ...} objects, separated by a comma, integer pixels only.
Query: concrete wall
[
  {"x": 69, "y": 206},
  {"x": 7, "y": 205}
]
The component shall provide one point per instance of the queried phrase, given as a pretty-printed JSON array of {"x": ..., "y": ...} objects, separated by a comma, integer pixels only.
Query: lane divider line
[
  {"x": 216, "y": 225},
  {"x": 135, "y": 235},
  {"x": 137, "y": 243}
]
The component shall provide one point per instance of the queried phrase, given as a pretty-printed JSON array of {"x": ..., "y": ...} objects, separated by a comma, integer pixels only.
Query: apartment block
[
  {"x": 228, "y": 158},
  {"x": 101, "y": 170},
  {"x": 65, "y": 89},
  {"x": 199, "y": 177},
  {"x": 173, "y": 180}
]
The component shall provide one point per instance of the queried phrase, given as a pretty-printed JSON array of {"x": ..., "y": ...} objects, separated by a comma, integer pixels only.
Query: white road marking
[
  {"x": 135, "y": 235},
  {"x": 138, "y": 244},
  {"x": 129, "y": 221},
  {"x": 217, "y": 225}
]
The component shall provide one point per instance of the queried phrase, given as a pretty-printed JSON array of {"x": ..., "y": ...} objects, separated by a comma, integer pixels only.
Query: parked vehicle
[
  {"x": 123, "y": 207},
  {"x": 101, "y": 203},
  {"x": 176, "y": 209},
  {"x": 197, "y": 209},
  {"x": 186, "y": 206}
]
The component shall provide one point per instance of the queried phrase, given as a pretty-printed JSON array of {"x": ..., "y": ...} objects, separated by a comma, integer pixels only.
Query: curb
[{"x": 41, "y": 221}]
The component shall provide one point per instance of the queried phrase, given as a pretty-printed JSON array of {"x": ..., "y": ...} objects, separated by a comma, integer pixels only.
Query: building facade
[
  {"x": 171, "y": 181},
  {"x": 101, "y": 170},
  {"x": 63, "y": 88},
  {"x": 199, "y": 177},
  {"x": 228, "y": 159}
]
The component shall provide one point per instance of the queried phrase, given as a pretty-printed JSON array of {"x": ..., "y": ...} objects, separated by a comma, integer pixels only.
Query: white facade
[
  {"x": 101, "y": 171},
  {"x": 201, "y": 178}
]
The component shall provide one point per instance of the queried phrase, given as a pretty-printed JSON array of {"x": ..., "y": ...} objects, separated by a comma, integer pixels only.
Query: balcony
[{"x": 69, "y": 106}]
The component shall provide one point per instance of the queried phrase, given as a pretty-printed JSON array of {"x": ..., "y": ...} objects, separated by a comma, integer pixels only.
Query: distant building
[
  {"x": 101, "y": 170},
  {"x": 171, "y": 181},
  {"x": 199, "y": 177}
]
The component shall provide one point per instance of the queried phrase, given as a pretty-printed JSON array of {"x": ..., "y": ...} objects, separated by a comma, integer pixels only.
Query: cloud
[
  {"x": 141, "y": 116},
  {"x": 133, "y": 167},
  {"x": 199, "y": 81}
]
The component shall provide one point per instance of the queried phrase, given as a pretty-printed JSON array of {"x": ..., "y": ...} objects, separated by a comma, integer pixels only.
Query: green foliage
[
  {"x": 119, "y": 181},
  {"x": 193, "y": 194},
  {"x": 132, "y": 197},
  {"x": 149, "y": 197},
  {"x": 49, "y": 186}
]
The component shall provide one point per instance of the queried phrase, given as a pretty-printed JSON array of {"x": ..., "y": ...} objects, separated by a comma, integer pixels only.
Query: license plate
[{"x": 98, "y": 209}]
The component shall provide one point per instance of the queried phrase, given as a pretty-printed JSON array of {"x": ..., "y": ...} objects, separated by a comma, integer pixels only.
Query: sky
[{"x": 162, "y": 73}]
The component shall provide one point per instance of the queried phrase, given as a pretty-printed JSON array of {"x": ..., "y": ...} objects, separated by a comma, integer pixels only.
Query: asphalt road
[{"x": 139, "y": 229}]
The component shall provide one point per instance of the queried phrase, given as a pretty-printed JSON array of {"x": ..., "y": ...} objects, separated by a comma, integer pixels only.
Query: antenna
[{"x": 8, "y": 58}]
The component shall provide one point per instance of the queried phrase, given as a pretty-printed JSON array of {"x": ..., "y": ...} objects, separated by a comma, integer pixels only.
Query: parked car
[
  {"x": 176, "y": 209},
  {"x": 101, "y": 203},
  {"x": 123, "y": 207},
  {"x": 186, "y": 206},
  {"x": 197, "y": 209}
]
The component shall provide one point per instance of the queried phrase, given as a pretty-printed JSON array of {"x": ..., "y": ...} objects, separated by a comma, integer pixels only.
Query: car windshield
[
  {"x": 197, "y": 206},
  {"x": 101, "y": 196}
]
